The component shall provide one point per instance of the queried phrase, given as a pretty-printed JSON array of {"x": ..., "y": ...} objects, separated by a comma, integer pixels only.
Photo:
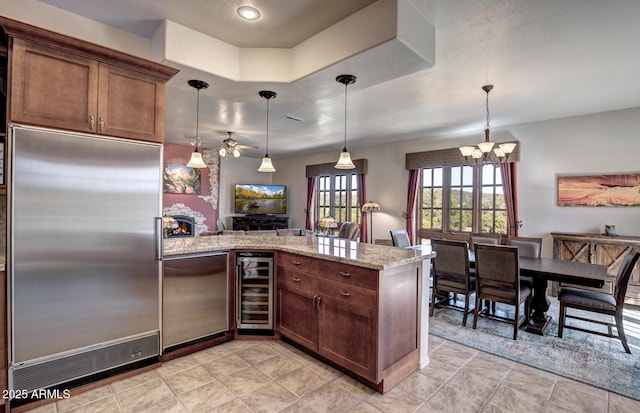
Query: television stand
[{"x": 260, "y": 222}]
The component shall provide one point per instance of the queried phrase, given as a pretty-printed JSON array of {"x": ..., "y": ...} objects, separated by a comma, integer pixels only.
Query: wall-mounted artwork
[
  {"x": 180, "y": 179},
  {"x": 619, "y": 190}
]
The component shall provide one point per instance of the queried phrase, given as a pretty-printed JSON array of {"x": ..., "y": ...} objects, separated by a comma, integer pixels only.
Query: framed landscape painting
[
  {"x": 181, "y": 179},
  {"x": 616, "y": 190}
]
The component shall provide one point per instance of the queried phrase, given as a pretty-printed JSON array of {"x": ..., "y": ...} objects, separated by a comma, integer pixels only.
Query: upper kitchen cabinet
[{"x": 64, "y": 83}]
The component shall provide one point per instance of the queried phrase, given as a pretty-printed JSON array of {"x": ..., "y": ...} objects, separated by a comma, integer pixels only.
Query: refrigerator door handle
[{"x": 158, "y": 238}]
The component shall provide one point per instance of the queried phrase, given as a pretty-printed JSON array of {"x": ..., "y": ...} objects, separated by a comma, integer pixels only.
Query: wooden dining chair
[
  {"x": 349, "y": 230},
  {"x": 451, "y": 274},
  {"x": 527, "y": 247},
  {"x": 485, "y": 238},
  {"x": 599, "y": 302},
  {"x": 400, "y": 238},
  {"x": 498, "y": 280}
]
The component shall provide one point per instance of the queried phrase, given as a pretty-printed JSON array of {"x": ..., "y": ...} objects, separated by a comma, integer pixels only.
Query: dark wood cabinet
[
  {"x": 260, "y": 222},
  {"x": 364, "y": 320},
  {"x": 599, "y": 249},
  {"x": 60, "y": 89}
]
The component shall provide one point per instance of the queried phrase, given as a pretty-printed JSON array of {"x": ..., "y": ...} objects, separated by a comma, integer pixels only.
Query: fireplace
[{"x": 178, "y": 226}]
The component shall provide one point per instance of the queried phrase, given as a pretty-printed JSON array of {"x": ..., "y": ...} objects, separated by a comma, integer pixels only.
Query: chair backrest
[
  {"x": 452, "y": 259},
  {"x": 485, "y": 238},
  {"x": 400, "y": 238},
  {"x": 624, "y": 274},
  {"x": 349, "y": 230},
  {"x": 527, "y": 246},
  {"x": 498, "y": 269}
]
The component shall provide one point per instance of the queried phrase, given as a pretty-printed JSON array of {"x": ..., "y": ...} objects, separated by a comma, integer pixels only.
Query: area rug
[{"x": 589, "y": 358}]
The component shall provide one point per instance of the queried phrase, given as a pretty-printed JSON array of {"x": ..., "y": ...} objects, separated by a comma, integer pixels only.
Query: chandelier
[
  {"x": 345, "y": 162},
  {"x": 488, "y": 151},
  {"x": 196, "y": 157},
  {"x": 267, "y": 165}
]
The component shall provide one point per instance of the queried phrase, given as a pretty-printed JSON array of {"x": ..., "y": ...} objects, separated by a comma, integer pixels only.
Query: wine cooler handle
[
  {"x": 296, "y": 262},
  {"x": 345, "y": 294},
  {"x": 345, "y": 274},
  {"x": 295, "y": 279}
]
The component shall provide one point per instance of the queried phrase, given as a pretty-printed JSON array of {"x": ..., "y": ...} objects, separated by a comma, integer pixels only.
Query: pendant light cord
[
  {"x": 197, "y": 119},
  {"x": 345, "y": 118},
  {"x": 267, "y": 148}
]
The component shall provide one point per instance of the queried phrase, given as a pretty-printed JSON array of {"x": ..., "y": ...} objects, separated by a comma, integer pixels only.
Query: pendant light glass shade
[
  {"x": 196, "y": 160},
  {"x": 345, "y": 162},
  {"x": 267, "y": 165},
  {"x": 196, "y": 157}
]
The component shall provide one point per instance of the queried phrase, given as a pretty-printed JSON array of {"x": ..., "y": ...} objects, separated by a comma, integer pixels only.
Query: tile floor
[{"x": 271, "y": 376}]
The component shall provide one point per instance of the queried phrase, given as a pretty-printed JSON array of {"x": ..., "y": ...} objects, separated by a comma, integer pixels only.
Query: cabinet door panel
[
  {"x": 297, "y": 317},
  {"x": 347, "y": 335},
  {"x": 53, "y": 88},
  {"x": 130, "y": 105}
]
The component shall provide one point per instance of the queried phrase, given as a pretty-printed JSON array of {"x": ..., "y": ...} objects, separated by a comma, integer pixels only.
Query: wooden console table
[
  {"x": 599, "y": 249},
  {"x": 260, "y": 222}
]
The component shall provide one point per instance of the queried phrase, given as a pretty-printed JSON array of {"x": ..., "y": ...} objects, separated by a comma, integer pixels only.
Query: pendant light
[
  {"x": 345, "y": 162},
  {"x": 481, "y": 153},
  {"x": 196, "y": 157},
  {"x": 266, "y": 165}
]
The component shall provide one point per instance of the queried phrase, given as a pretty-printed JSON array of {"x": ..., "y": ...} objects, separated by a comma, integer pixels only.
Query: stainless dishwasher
[{"x": 194, "y": 298}]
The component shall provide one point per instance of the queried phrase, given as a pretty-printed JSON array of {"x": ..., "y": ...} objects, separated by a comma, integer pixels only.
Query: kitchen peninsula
[{"x": 356, "y": 306}]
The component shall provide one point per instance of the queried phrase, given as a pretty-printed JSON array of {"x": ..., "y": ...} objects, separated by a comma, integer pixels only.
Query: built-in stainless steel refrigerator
[{"x": 84, "y": 255}]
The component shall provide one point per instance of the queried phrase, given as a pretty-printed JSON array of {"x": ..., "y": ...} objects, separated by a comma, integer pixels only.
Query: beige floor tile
[
  {"x": 238, "y": 345},
  {"x": 78, "y": 400},
  {"x": 170, "y": 406},
  {"x": 176, "y": 365},
  {"x": 258, "y": 353},
  {"x": 578, "y": 401},
  {"x": 621, "y": 404},
  {"x": 245, "y": 381},
  {"x": 142, "y": 397},
  {"x": 106, "y": 405},
  {"x": 225, "y": 365},
  {"x": 420, "y": 386},
  {"x": 453, "y": 400},
  {"x": 490, "y": 367},
  {"x": 452, "y": 355},
  {"x": 472, "y": 384},
  {"x": 137, "y": 380},
  {"x": 234, "y": 406},
  {"x": 189, "y": 379},
  {"x": 530, "y": 381},
  {"x": 333, "y": 397},
  {"x": 212, "y": 353},
  {"x": 514, "y": 400},
  {"x": 300, "y": 406},
  {"x": 303, "y": 381},
  {"x": 395, "y": 401},
  {"x": 567, "y": 385},
  {"x": 46, "y": 408},
  {"x": 365, "y": 407},
  {"x": 207, "y": 397},
  {"x": 269, "y": 398},
  {"x": 279, "y": 365}
]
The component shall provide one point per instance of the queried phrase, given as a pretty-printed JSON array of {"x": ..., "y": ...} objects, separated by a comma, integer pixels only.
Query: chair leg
[
  {"x": 563, "y": 313},
  {"x": 466, "y": 310},
  {"x": 621, "y": 334},
  {"x": 434, "y": 293},
  {"x": 516, "y": 321},
  {"x": 475, "y": 311}
]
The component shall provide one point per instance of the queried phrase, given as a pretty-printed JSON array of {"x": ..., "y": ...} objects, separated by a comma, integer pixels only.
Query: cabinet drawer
[
  {"x": 347, "y": 293},
  {"x": 298, "y": 262},
  {"x": 363, "y": 277},
  {"x": 293, "y": 278}
]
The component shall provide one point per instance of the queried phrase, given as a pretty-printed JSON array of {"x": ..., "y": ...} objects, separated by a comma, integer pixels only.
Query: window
[
  {"x": 463, "y": 199},
  {"x": 337, "y": 196}
]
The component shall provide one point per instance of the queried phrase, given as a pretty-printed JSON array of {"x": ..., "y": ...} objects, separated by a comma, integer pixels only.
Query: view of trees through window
[
  {"x": 337, "y": 197},
  {"x": 463, "y": 199}
]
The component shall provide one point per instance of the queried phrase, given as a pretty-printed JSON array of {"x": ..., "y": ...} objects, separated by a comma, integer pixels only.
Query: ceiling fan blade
[{"x": 246, "y": 147}]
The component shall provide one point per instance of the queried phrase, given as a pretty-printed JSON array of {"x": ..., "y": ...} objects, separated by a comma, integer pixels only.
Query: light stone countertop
[{"x": 377, "y": 257}]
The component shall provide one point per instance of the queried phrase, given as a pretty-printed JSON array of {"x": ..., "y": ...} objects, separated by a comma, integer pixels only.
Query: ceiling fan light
[
  {"x": 345, "y": 162},
  {"x": 236, "y": 153},
  {"x": 222, "y": 152},
  {"x": 196, "y": 160},
  {"x": 508, "y": 147},
  {"x": 266, "y": 165}
]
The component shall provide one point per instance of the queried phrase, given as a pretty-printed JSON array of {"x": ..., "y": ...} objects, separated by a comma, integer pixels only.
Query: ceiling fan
[{"x": 231, "y": 148}]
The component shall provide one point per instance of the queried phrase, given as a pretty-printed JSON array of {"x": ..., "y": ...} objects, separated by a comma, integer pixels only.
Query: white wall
[{"x": 600, "y": 143}]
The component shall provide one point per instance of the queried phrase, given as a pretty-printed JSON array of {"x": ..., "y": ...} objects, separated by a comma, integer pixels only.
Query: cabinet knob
[
  {"x": 345, "y": 294},
  {"x": 296, "y": 279},
  {"x": 296, "y": 262},
  {"x": 101, "y": 124},
  {"x": 92, "y": 122},
  {"x": 345, "y": 274}
]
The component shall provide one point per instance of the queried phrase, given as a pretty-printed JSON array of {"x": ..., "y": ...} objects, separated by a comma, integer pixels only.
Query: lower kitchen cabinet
[{"x": 365, "y": 321}]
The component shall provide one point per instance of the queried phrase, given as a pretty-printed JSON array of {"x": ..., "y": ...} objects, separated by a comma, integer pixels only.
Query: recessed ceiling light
[{"x": 248, "y": 12}]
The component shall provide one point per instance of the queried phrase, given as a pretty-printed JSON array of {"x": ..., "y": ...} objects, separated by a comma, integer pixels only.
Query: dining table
[{"x": 543, "y": 270}]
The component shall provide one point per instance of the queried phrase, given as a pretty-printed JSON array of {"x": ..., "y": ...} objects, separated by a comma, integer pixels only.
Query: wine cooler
[{"x": 255, "y": 290}]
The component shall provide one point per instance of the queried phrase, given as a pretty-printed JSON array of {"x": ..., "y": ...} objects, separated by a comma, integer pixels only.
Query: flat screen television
[{"x": 258, "y": 199}]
